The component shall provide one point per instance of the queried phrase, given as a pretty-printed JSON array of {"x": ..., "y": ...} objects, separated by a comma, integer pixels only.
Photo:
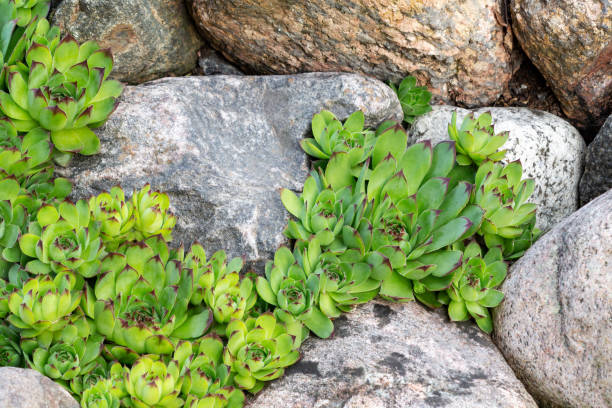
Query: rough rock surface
[
  {"x": 149, "y": 39},
  {"x": 222, "y": 147},
  {"x": 550, "y": 150},
  {"x": 389, "y": 355},
  {"x": 571, "y": 44},
  {"x": 211, "y": 62},
  {"x": 455, "y": 47},
  {"x": 21, "y": 388},
  {"x": 597, "y": 177},
  {"x": 555, "y": 324}
]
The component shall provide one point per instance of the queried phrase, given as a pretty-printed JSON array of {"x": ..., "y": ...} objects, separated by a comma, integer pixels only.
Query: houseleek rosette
[
  {"x": 44, "y": 306},
  {"x": 228, "y": 296},
  {"x": 152, "y": 214},
  {"x": 10, "y": 352},
  {"x": 503, "y": 194},
  {"x": 63, "y": 361},
  {"x": 115, "y": 215},
  {"x": 476, "y": 140},
  {"x": 294, "y": 288},
  {"x": 96, "y": 372},
  {"x": 152, "y": 383},
  {"x": 62, "y": 88},
  {"x": 144, "y": 306},
  {"x": 259, "y": 350},
  {"x": 207, "y": 379},
  {"x": 473, "y": 291},
  {"x": 100, "y": 395},
  {"x": 331, "y": 136},
  {"x": 62, "y": 238},
  {"x": 413, "y": 99}
]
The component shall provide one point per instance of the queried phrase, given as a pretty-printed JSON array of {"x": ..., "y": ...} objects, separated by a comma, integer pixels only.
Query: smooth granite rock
[
  {"x": 390, "y": 355},
  {"x": 222, "y": 147},
  {"x": 555, "y": 324},
  {"x": 460, "y": 49},
  {"x": 21, "y": 388},
  {"x": 570, "y": 42},
  {"x": 550, "y": 150},
  {"x": 149, "y": 39},
  {"x": 597, "y": 177}
]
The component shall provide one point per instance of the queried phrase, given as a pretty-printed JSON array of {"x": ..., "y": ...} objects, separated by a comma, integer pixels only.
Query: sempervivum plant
[
  {"x": 61, "y": 239},
  {"x": 476, "y": 140},
  {"x": 10, "y": 352},
  {"x": 228, "y": 296},
  {"x": 331, "y": 136},
  {"x": 207, "y": 379},
  {"x": 509, "y": 219},
  {"x": 294, "y": 288},
  {"x": 152, "y": 214},
  {"x": 414, "y": 99},
  {"x": 473, "y": 289},
  {"x": 43, "y": 307},
  {"x": 144, "y": 305},
  {"x": 62, "y": 88},
  {"x": 64, "y": 361},
  {"x": 115, "y": 215},
  {"x": 152, "y": 383},
  {"x": 100, "y": 395},
  {"x": 259, "y": 350}
]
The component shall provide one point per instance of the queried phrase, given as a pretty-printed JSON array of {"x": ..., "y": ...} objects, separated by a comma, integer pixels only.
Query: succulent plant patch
[{"x": 94, "y": 295}]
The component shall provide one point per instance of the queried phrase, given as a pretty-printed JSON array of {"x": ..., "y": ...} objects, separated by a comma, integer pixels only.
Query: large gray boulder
[
  {"x": 21, "y": 388},
  {"x": 390, "y": 355},
  {"x": 222, "y": 147},
  {"x": 550, "y": 150},
  {"x": 597, "y": 177},
  {"x": 149, "y": 39},
  {"x": 555, "y": 324}
]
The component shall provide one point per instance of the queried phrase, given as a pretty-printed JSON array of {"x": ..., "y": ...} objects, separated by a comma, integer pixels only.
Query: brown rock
[
  {"x": 20, "y": 388},
  {"x": 454, "y": 47},
  {"x": 571, "y": 44},
  {"x": 149, "y": 39}
]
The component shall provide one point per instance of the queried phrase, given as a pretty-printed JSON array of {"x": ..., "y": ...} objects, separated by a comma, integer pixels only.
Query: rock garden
[{"x": 317, "y": 204}]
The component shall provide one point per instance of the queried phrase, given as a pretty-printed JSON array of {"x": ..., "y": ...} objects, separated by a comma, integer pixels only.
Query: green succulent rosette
[
  {"x": 64, "y": 361},
  {"x": 413, "y": 99},
  {"x": 63, "y": 88},
  {"x": 96, "y": 371},
  {"x": 258, "y": 350},
  {"x": 152, "y": 214},
  {"x": 332, "y": 136},
  {"x": 503, "y": 194},
  {"x": 27, "y": 10},
  {"x": 476, "y": 140},
  {"x": 294, "y": 288},
  {"x": 343, "y": 285},
  {"x": 10, "y": 352},
  {"x": 115, "y": 216},
  {"x": 207, "y": 379},
  {"x": 143, "y": 303},
  {"x": 473, "y": 291},
  {"x": 100, "y": 395},
  {"x": 151, "y": 383},
  {"x": 63, "y": 238},
  {"x": 5, "y": 291},
  {"x": 43, "y": 307},
  {"x": 13, "y": 219}
]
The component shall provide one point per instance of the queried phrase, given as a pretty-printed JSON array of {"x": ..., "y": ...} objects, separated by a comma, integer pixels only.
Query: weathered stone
[
  {"x": 597, "y": 177},
  {"x": 570, "y": 43},
  {"x": 550, "y": 150},
  {"x": 211, "y": 62},
  {"x": 555, "y": 324},
  {"x": 454, "y": 47},
  {"x": 222, "y": 147},
  {"x": 149, "y": 39},
  {"x": 390, "y": 355},
  {"x": 20, "y": 388}
]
